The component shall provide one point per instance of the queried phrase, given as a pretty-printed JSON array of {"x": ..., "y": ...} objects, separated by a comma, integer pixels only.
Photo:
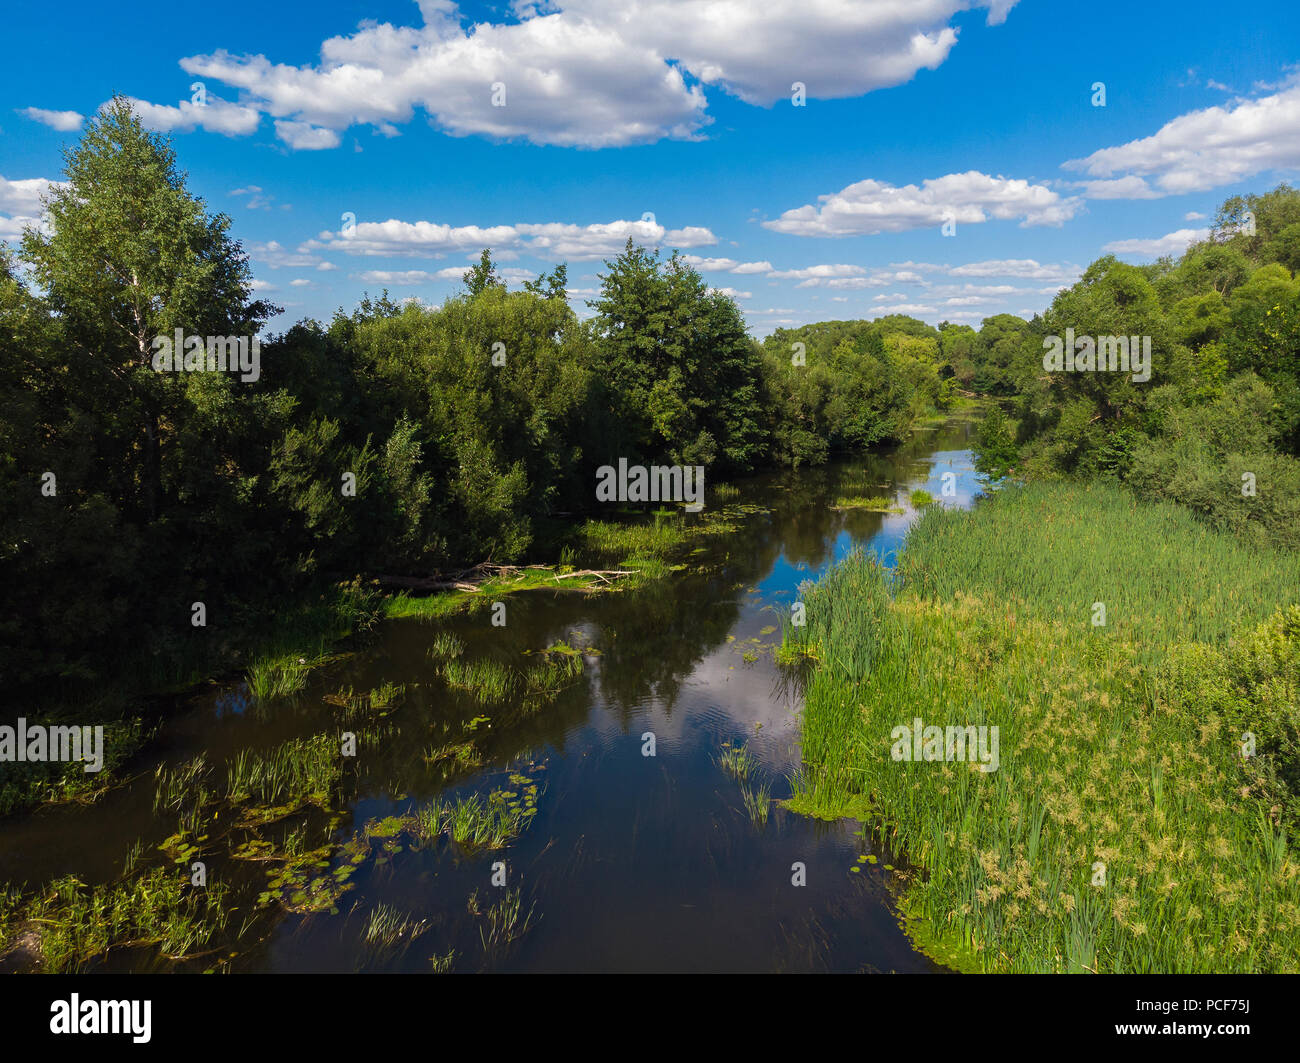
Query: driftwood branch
[{"x": 471, "y": 579}]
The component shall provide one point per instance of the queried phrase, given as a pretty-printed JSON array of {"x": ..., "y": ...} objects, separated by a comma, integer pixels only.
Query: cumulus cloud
[
  {"x": 726, "y": 265},
  {"x": 21, "y": 201},
  {"x": 24, "y": 196},
  {"x": 1174, "y": 243},
  {"x": 1130, "y": 187},
  {"x": 823, "y": 272},
  {"x": 1204, "y": 149},
  {"x": 869, "y": 207},
  {"x": 546, "y": 240},
  {"x": 63, "y": 121},
  {"x": 303, "y": 136},
  {"x": 216, "y": 116},
  {"x": 837, "y": 48},
  {"x": 592, "y": 73}
]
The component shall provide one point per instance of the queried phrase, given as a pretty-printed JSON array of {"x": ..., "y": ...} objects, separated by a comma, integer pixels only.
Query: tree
[
  {"x": 554, "y": 285},
  {"x": 482, "y": 275},
  {"x": 681, "y": 376},
  {"x": 130, "y": 255}
]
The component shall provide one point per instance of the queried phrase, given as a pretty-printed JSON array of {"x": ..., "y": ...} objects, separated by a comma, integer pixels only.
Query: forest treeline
[
  {"x": 1217, "y": 427},
  {"x": 469, "y": 431}
]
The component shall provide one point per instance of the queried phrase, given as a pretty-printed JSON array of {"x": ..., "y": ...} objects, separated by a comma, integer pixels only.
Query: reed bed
[{"x": 301, "y": 771}]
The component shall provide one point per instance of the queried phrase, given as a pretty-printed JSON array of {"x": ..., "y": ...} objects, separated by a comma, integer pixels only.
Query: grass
[
  {"x": 388, "y": 934},
  {"x": 546, "y": 680},
  {"x": 920, "y": 498},
  {"x": 184, "y": 790},
  {"x": 1122, "y": 830},
  {"x": 488, "y": 823},
  {"x": 505, "y": 921},
  {"x": 70, "y": 924},
  {"x": 445, "y": 646},
  {"x": 737, "y": 761},
  {"x": 304, "y": 638},
  {"x": 758, "y": 802},
  {"x": 29, "y": 783},
  {"x": 299, "y": 772},
  {"x": 875, "y": 504},
  {"x": 485, "y": 680},
  {"x": 601, "y": 541}
]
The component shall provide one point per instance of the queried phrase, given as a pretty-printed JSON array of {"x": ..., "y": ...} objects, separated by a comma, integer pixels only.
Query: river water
[{"x": 632, "y": 862}]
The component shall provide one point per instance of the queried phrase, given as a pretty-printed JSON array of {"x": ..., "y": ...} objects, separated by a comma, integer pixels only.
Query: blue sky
[{"x": 672, "y": 121}]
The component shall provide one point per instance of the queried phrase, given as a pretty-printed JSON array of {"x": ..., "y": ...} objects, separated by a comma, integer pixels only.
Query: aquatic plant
[
  {"x": 301, "y": 771},
  {"x": 736, "y": 761},
  {"x": 445, "y": 645},
  {"x": 486, "y": 680},
  {"x": 758, "y": 802},
  {"x": 388, "y": 934},
  {"x": 506, "y": 921},
  {"x": 875, "y": 504}
]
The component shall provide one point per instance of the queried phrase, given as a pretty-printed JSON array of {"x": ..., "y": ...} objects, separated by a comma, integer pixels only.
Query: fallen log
[{"x": 602, "y": 573}]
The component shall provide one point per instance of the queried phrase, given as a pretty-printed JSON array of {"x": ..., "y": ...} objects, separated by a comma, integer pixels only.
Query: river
[{"x": 631, "y": 862}]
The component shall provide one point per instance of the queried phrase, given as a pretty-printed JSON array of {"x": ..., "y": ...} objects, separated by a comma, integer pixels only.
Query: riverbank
[
  {"x": 277, "y": 655},
  {"x": 1122, "y": 650}
]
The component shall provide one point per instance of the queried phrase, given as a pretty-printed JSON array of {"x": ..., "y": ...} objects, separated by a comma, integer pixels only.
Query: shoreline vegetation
[{"x": 1123, "y": 829}]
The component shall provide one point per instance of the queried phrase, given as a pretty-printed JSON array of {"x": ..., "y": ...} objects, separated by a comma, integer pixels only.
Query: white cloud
[
  {"x": 1193, "y": 215},
  {"x": 904, "y": 308},
  {"x": 838, "y": 48},
  {"x": 1022, "y": 268},
  {"x": 1174, "y": 243},
  {"x": 1208, "y": 148},
  {"x": 870, "y": 207},
  {"x": 63, "y": 121},
  {"x": 733, "y": 293},
  {"x": 24, "y": 196},
  {"x": 562, "y": 240},
  {"x": 593, "y": 73},
  {"x": 21, "y": 200},
  {"x": 216, "y": 116},
  {"x": 273, "y": 255},
  {"x": 303, "y": 136},
  {"x": 409, "y": 276},
  {"x": 12, "y": 228},
  {"x": 568, "y": 81},
  {"x": 819, "y": 272},
  {"x": 1130, "y": 187},
  {"x": 559, "y": 240},
  {"x": 726, "y": 265}
]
